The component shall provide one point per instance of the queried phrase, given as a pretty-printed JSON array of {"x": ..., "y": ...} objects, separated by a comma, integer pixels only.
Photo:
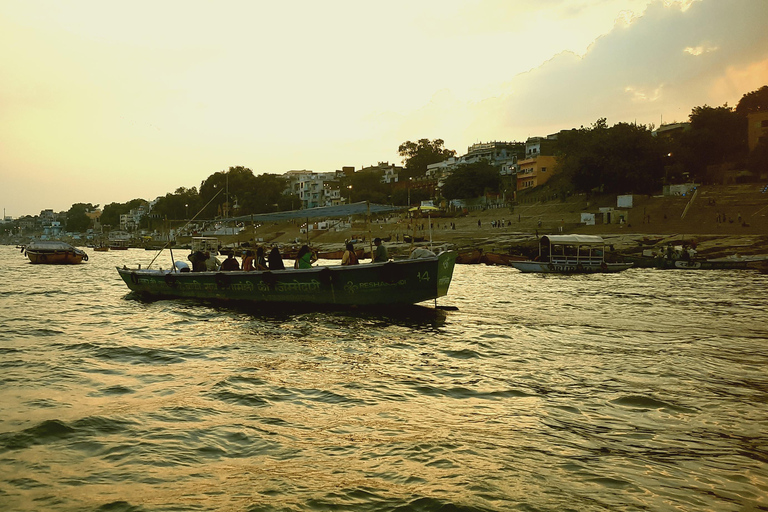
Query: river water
[{"x": 644, "y": 390}]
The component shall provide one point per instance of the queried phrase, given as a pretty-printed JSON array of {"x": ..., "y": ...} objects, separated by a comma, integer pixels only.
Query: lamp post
[
  {"x": 409, "y": 191},
  {"x": 350, "y": 193},
  {"x": 186, "y": 206}
]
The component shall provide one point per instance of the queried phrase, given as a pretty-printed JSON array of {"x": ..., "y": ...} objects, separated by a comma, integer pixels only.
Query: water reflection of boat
[
  {"x": 54, "y": 253},
  {"x": 391, "y": 283},
  {"x": 570, "y": 254}
]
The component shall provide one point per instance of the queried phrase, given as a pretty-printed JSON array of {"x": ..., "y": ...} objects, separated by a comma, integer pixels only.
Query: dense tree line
[{"x": 628, "y": 158}]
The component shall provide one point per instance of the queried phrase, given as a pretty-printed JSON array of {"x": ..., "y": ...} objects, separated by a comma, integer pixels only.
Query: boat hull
[
  {"x": 680, "y": 264},
  {"x": 55, "y": 258},
  {"x": 54, "y": 253},
  {"x": 569, "y": 267},
  {"x": 391, "y": 283}
]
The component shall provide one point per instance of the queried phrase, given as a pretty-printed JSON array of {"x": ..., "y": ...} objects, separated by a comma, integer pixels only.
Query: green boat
[{"x": 398, "y": 282}]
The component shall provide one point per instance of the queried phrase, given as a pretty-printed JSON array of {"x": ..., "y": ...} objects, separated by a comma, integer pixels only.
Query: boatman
[{"x": 380, "y": 253}]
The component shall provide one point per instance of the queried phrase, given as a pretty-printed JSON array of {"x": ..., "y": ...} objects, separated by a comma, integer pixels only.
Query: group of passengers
[{"x": 204, "y": 261}]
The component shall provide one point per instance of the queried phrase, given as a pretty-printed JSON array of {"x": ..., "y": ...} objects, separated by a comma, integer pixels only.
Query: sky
[{"x": 104, "y": 102}]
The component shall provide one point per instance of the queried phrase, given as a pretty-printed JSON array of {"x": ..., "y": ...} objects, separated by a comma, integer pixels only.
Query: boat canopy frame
[{"x": 589, "y": 242}]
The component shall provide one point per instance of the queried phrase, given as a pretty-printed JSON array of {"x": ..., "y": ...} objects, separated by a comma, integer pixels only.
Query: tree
[
  {"x": 755, "y": 101},
  {"x": 367, "y": 186},
  {"x": 472, "y": 180},
  {"x": 620, "y": 159},
  {"x": 111, "y": 214},
  {"x": 182, "y": 204},
  {"x": 418, "y": 155},
  {"x": 266, "y": 195},
  {"x": 717, "y": 135},
  {"x": 77, "y": 220},
  {"x": 226, "y": 186}
]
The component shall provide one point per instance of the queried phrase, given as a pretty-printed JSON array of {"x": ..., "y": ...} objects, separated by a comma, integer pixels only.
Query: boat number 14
[{"x": 423, "y": 276}]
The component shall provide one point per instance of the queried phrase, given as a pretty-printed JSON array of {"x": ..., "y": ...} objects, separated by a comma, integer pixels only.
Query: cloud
[{"x": 674, "y": 57}]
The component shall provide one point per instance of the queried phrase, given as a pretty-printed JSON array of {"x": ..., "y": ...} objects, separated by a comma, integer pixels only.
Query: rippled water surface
[{"x": 644, "y": 390}]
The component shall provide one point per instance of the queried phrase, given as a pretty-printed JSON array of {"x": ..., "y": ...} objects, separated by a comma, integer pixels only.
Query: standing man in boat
[{"x": 380, "y": 254}]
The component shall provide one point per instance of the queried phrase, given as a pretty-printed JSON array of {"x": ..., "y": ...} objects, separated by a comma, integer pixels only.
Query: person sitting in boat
[
  {"x": 212, "y": 263},
  {"x": 248, "y": 260},
  {"x": 305, "y": 258},
  {"x": 380, "y": 254},
  {"x": 421, "y": 252},
  {"x": 230, "y": 263},
  {"x": 275, "y": 260},
  {"x": 260, "y": 263},
  {"x": 350, "y": 256},
  {"x": 198, "y": 261}
]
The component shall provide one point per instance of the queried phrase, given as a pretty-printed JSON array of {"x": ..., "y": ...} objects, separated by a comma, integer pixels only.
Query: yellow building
[
  {"x": 758, "y": 128},
  {"x": 535, "y": 171}
]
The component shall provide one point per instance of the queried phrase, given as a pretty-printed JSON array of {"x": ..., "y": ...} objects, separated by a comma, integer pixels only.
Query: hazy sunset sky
[{"x": 105, "y": 102}]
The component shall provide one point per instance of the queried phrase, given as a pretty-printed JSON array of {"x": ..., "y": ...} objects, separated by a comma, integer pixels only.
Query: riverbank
[{"x": 723, "y": 220}]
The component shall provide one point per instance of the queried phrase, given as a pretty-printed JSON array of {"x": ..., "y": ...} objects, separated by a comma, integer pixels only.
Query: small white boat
[{"x": 570, "y": 254}]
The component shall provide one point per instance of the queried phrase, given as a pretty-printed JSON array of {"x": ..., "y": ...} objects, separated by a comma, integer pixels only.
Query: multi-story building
[
  {"x": 131, "y": 220},
  {"x": 390, "y": 173},
  {"x": 539, "y": 163},
  {"x": 503, "y": 155},
  {"x": 535, "y": 171},
  {"x": 317, "y": 189}
]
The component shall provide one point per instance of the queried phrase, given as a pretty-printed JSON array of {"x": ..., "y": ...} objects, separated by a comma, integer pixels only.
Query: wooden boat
[
  {"x": 494, "y": 258},
  {"x": 472, "y": 257},
  {"x": 680, "y": 259},
  {"x": 570, "y": 254},
  {"x": 477, "y": 256},
  {"x": 118, "y": 245},
  {"x": 392, "y": 283},
  {"x": 54, "y": 253}
]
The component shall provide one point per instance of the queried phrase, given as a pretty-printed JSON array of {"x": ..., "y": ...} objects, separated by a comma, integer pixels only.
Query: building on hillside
[
  {"x": 671, "y": 130},
  {"x": 316, "y": 189},
  {"x": 757, "y": 130},
  {"x": 28, "y": 223},
  {"x": 536, "y": 146},
  {"x": 390, "y": 173},
  {"x": 95, "y": 215},
  {"x": 502, "y": 155},
  {"x": 535, "y": 171},
  {"x": 130, "y": 221}
]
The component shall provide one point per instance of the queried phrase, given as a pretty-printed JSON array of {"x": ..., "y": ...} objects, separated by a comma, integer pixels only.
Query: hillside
[{"x": 663, "y": 215}]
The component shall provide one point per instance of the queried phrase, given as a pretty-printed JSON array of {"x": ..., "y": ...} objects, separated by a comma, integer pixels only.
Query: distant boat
[
  {"x": 118, "y": 245},
  {"x": 392, "y": 283},
  {"x": 663, "y": 262},
  {"x": 570, "y": 254},
  {"x": 54, "y": 253}
]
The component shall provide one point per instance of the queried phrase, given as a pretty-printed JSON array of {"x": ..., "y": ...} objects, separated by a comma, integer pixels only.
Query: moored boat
[
  {"x": 495, "y": 258},
  {"x": 570, "y": 254},
  {"x": 392, "y": 283},
  {"x": 54, "y": 253},
  {"x": 685, "y": 258}
]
